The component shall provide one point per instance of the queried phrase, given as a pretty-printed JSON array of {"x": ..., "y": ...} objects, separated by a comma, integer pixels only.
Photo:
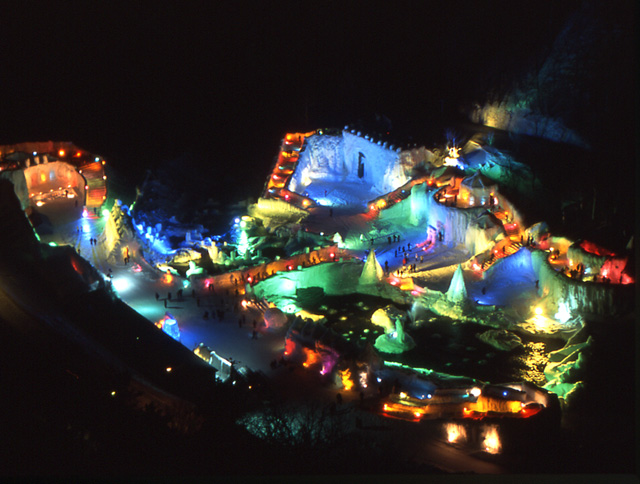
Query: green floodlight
[{"x": 105, "y": 213}]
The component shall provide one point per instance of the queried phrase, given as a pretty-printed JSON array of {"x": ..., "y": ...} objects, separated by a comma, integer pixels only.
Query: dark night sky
[{"x": 147, "y": 81}]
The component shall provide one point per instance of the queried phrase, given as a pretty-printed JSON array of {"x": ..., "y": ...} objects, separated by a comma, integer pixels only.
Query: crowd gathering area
[{"x": 400, "y": 279}]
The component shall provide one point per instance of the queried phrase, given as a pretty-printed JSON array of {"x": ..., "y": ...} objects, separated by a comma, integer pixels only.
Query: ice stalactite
[{"x": 418, "y": 202}]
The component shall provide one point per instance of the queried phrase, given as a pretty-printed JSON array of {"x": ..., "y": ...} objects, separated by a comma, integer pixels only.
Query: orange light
[
  {"x": 385, "y": 407},
  {"x": 345, "y": 376},
  {"x": 62, "y": 153},
  {"x": 417, "y": 414},
  {"x": 491, "y": 441},
  {"x": 78, "y": 154}
]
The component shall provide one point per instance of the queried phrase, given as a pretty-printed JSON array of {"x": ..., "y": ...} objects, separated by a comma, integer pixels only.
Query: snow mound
[
  {"x": 387, "y": 343},
  {"x": 501, "y": 339},
  {"x": 385, "y": 317}
]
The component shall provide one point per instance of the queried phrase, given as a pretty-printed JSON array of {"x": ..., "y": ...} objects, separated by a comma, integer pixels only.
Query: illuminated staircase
[
  {"x": 96, "y": 182},
  {"x": 510, "y": 249}
]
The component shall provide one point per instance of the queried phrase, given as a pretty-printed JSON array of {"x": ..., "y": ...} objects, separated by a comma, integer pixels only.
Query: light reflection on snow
[{"x": 121, "y": 284}]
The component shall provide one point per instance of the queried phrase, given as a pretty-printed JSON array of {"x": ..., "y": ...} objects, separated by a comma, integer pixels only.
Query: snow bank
[
  {"x": 17, "y": 178},
  {"x": 501, "y": 339},
  {"x": 274, "y": 213},
  {"x": 512, "y": 116}
]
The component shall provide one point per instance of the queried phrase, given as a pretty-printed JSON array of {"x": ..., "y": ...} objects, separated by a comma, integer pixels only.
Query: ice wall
[
  {"x": 333, "y": 278},
  {"x": 371, "y": 169},
  {"x": 55, "y": 174},
  {"x": 453, "y": 221},
  {"x": 418, "y": 201},
  {"x": 578, "y": 255},
  {"x": 517, "y": 265},
  {"x": 322, "y": 159},
  {"x": 460, "y": 225},
  {"x": 581, "y": 297},
  {"x": 479, "y": 240}
]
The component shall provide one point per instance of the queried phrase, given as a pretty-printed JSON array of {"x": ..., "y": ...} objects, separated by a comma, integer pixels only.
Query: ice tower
[
  {"x": 457, "y": 291},
  {"x": 372, "y": 271}
]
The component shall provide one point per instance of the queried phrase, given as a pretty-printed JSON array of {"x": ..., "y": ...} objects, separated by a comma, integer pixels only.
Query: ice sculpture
[{"x": 396, "y": 341}]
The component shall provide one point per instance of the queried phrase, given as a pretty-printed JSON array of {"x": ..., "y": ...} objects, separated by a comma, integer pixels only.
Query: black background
[{"x": 145, "y": 82}]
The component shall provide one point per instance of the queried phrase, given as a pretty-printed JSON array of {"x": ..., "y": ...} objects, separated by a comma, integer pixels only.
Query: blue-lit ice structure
[
  {"x": 346, "y": 169},
  {"x": 170, "y": 326}
]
